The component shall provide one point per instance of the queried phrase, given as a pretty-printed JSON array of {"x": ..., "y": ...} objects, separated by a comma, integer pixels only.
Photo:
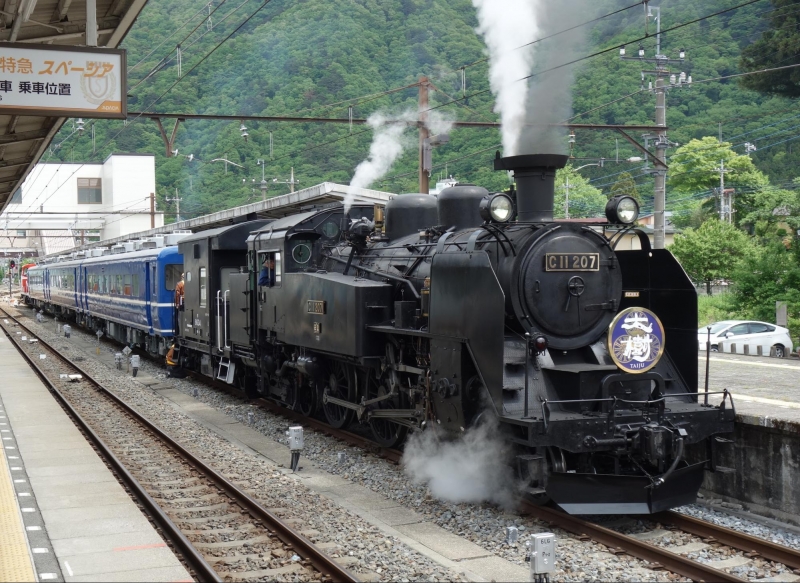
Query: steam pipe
[
  {"x": 674, "y": 465},
  {"x": 527, "y": 365}
]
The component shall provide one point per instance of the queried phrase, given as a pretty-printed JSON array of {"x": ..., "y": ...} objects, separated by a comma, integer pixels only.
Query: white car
[{"x": 746, "y": 332}]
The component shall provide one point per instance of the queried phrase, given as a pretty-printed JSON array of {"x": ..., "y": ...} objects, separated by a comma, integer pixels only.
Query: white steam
[
  {"x": 389, "y": 140},
  {"x": 505, "y": 25},
  {"x": 388, "y": 143},
  {"x": 439, "y": 122},
  {"x": 471, "y": 468}
]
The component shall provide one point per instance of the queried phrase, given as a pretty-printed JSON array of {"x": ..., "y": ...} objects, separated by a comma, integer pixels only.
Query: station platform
[
  {"x": 763, "y": 462},
  {"x": 763, "y": 388},
  {"x": 63, "y": 514}
]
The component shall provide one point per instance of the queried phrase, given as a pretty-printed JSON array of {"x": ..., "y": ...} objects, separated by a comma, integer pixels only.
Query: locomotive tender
[{"x": 463, "y": 309}]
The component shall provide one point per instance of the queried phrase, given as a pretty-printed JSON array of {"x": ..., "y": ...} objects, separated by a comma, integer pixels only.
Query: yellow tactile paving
[{"x": 15, "y": 559}]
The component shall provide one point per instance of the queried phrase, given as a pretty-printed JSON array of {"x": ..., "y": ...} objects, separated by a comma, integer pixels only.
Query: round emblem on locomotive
[{"x": 636, "y": 340}]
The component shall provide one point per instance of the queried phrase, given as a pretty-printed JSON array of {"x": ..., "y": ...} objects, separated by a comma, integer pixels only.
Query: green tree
[
  {"x": 770, "y": 274},
  {"x": 773, "y": 212},
  {"x": 711, "y": 252},
  {"x": 693, "y": 167},
  {"x": 584, "y": 199},
  {"x": 625, "y": 185},
  {"x": 779, "y": 45}
]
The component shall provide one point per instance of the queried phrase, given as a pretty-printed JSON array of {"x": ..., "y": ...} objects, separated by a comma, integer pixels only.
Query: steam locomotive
[{"x": 463, "y": 309}]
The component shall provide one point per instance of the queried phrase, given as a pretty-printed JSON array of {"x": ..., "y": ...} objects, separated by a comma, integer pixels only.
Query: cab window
[{"x": 265, "y": 275}]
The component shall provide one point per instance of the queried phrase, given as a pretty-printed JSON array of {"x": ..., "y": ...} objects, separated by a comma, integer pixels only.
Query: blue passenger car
[{"x": 130, "y": 296}]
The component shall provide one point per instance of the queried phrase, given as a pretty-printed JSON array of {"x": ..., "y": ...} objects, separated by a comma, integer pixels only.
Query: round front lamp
[
  {"x": 622, "y": 210},
  {"x": 498, "y": 208}
]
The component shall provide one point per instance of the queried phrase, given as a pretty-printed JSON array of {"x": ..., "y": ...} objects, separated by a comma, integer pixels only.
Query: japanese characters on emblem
[{"x": 636, "y": 340}]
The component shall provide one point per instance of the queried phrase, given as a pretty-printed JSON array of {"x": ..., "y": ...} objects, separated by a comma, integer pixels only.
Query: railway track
[
  {"x": 223, "y": 533},
  {"x": 617, "y": 542}
]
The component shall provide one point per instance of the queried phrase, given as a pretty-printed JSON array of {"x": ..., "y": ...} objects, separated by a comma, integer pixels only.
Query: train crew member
[
  {"x": 179, "y": 293},
  {"x": 173, "y": 365},
  {"x": 267, "y": 275}
]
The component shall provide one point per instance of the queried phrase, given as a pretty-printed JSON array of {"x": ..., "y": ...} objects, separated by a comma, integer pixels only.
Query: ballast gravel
[{"x": 484, "y": 525}]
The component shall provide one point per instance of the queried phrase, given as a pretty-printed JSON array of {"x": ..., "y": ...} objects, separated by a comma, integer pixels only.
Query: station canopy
[
  {"x": 24, "y": 138},
  {"x": 317, "y": 197}
]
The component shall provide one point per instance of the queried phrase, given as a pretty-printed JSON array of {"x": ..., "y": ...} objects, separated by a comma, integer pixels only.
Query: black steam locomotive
[
  {"x": 467, "y": 307},
  {"x": 454, "y": 310}
]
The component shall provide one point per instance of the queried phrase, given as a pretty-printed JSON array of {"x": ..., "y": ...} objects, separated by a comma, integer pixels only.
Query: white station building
[{"x": 62, "y": 205}]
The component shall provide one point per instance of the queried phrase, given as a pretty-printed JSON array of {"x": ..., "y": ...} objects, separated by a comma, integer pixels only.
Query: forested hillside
[{"x": 295, "y": 57}]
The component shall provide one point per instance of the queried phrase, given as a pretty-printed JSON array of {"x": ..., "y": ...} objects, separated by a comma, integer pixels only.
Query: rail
[
  {"x": 614, "y": 540},
  {"x": 302, "y": 546}
]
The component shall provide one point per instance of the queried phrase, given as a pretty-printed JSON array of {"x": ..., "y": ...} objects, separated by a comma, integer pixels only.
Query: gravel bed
[
  {"x": 775, "y": 535},
  {"x": 483, "y": 524},
  {"x": 365, "y": 546},
  {"x": 674, "y": 540}
]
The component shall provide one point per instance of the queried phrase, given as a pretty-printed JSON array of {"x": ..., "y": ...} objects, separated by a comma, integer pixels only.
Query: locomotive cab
[{"x": 212, "y": 259}]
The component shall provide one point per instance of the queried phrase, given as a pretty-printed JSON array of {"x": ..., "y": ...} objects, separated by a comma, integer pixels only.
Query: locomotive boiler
[{"x": 475, "y": 307}]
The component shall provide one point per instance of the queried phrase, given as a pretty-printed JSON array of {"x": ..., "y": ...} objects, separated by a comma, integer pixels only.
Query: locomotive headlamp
[
  {"x": 498, "y": 208},
  {"x": 622, "y": 209},
  {"x": 540, "y": 344}
]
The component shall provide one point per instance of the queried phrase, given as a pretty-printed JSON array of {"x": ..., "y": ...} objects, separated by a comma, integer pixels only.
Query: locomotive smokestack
[{"x": 535, "y": 175}]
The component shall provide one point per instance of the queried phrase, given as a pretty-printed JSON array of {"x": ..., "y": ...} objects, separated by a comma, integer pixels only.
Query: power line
[
  {"x": 174, "y": 84},
  {"x": 181, "y": 27}
]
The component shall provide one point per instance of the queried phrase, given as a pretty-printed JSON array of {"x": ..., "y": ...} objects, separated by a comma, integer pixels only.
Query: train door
[
  {"x": 84, "y": 287},
  {"x": 46, "y": 286},
  {"x": 269, "y": 277},
  {"x": 223, "y": 307},
  {"x": 148, "y": 298},
  {"x": 76, "y": 287}
]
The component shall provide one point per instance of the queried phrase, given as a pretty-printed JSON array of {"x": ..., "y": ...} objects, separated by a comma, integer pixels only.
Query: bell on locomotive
[{"x": 593, "y": 373}]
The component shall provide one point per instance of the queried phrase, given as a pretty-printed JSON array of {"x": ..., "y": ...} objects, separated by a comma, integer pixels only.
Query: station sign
[{"x": 62, "y": 81}]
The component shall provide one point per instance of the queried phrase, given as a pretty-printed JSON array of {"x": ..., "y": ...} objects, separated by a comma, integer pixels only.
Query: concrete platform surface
[
  {"x": 80, "y": 523},
  {"x": 762, "y": 387}
]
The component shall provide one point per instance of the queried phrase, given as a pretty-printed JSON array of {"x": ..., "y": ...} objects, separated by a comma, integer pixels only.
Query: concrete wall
[{"x": 765, "y": 457}]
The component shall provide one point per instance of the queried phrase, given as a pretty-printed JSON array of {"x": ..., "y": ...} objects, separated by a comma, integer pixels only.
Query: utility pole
[
  {"x": 262, "y": 163},
  {"x": 177, "y": 201},
  {"x": 725, "y": 201},
  {"x": 152, "y": 210},
  {"x": 661, "y": 73},
  {"x": 424, "y": 186},
  {"x": 291, "y": 182}
]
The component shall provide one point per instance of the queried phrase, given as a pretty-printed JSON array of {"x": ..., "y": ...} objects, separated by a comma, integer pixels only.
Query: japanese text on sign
[{"x": 85, "y": 82}]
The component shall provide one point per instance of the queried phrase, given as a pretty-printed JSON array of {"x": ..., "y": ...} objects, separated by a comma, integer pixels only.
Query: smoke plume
[
  {"x": 505, "y": 25},
  {"x": 526, "y": 107},
  {"x": 549, "y": 98},
  {"x": 389, "y": 140},
  {"x": 470, "y": 468},
  {"x": 388, "y": 143}
]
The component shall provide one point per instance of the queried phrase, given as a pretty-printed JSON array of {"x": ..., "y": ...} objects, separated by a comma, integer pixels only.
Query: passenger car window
[
  {"x": 172, "y": 275},
  {"x": 759, "y": 328}
]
